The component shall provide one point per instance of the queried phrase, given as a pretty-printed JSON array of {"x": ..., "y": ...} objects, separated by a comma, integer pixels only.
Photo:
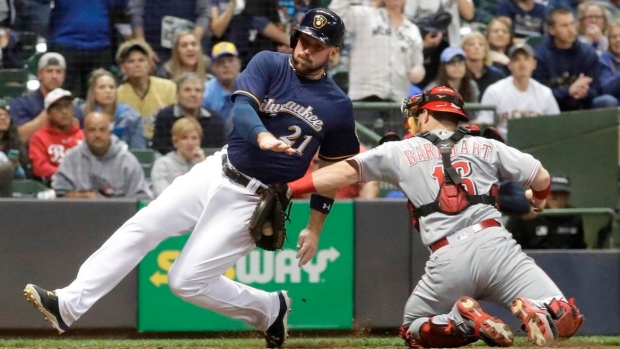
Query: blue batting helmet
[{"x": 322, "y": 24}]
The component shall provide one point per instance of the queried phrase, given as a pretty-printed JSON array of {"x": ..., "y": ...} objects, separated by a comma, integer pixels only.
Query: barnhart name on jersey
[
  {"x": 299, "y": 111},
  {"x": 428, "y": 151}
]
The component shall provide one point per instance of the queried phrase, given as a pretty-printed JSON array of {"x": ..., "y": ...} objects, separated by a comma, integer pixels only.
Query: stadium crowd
[{"x": 148, "y": 66}]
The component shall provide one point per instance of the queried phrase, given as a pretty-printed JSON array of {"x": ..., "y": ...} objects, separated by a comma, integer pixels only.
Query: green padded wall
[{"x": 582, "y": 144}]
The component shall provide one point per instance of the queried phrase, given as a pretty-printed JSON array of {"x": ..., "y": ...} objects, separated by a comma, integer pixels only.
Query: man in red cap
[{"x": 450, "y": 178}]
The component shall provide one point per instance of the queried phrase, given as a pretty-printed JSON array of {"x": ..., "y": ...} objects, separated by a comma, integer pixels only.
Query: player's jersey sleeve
[
  {"x": 378, "y": 164},
  {"x": 515, "y": 165},
  {"x": 255, "y": 80},
  {"x": 341, "y": 140}
]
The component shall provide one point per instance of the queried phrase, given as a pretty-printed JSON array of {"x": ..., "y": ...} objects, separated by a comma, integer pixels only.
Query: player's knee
[
  {"x": 567, "y": 317},
  {"x": 181, "y": 285}
]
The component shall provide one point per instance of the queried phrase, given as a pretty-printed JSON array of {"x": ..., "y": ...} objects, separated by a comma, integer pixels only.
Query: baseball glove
[{"x": 268, "y": 222}]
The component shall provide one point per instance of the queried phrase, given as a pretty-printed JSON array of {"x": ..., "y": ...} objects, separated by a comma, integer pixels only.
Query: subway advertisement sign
[{"x": 321, "y": 291}]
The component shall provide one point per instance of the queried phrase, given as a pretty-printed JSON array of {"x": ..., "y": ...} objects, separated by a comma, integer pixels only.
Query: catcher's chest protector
[{"x": 452, "y": 198}]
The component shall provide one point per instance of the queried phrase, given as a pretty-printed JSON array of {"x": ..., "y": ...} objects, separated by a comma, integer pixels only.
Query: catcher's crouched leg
[
  {"x": 566, "y": 316},
  {"x": 435, "y": 336}
]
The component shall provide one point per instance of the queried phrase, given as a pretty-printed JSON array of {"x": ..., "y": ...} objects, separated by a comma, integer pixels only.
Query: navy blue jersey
[{"x": 307, "y": 114}]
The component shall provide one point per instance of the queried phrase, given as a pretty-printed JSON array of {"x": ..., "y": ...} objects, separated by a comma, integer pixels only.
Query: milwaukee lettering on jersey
[
  {"x": 427, "y": 151},
  {"x": 303, "y": 113}
]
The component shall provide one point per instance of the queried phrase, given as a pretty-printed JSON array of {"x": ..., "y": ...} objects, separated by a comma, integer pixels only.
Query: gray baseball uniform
[{"x": 486, "y": 265}]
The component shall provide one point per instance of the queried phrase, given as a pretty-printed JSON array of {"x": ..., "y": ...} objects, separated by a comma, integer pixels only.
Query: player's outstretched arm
[{"x": 326, "y": 179}]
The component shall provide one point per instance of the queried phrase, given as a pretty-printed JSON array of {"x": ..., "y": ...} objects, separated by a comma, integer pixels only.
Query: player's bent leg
[
  {"x": 493, "y": 331},
  {"x": 566, "y": 316},
  {"x": 219, "y": 240},
  {"x": 539, "y": 325},
  {"x": 173, "y": 213}
]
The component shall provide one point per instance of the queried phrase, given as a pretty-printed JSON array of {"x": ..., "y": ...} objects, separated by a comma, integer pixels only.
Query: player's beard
[{"x": 308, "y": 68}]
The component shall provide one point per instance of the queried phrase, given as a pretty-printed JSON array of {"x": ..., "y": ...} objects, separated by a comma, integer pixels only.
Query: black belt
[{"x": 237, "y": 176}]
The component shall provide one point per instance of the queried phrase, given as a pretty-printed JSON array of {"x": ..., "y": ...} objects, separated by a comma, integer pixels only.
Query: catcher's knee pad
[
  {"x": 436, "y": 336},
  {"x": 566, "y": 316}
]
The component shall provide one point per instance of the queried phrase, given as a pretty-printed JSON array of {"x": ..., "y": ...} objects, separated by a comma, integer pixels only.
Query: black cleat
[
  {"x": 276, "y": 334},
  {"x": 47, "y": 303}
]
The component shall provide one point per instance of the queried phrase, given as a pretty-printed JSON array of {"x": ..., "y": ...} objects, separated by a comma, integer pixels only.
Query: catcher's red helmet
[{"x": 439, "y": 98}]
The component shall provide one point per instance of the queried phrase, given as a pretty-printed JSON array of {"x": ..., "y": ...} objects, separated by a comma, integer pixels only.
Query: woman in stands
[
  {"x": 453, "y": 72},
  {"x": 186, "y": 137},
  {"x": 102, "y": 97},
  {"x": 499, "y": 35},
  {"x": 187, "y": 57}
]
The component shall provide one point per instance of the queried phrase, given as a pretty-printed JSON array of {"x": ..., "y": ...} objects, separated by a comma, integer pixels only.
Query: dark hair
[
  {"x": 444, "y": 115},
  {"x": 465, "y": 89},
  {"x": 556, "y": 11}
]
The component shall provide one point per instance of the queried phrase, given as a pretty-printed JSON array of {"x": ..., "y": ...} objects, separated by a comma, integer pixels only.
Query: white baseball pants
[{"x": 215, "y": 210}]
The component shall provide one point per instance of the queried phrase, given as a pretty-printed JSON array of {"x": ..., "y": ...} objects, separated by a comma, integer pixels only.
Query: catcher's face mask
[{"x": 440, "y": 98}]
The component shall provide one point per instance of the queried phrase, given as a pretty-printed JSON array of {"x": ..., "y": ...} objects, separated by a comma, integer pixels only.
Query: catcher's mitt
[{"x": 268, "y": 222}]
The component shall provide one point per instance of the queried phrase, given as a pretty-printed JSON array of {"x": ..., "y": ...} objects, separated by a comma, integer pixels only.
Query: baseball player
[
  {"x": 450, "y": 178},
  {"x": 285, "y": 108}
]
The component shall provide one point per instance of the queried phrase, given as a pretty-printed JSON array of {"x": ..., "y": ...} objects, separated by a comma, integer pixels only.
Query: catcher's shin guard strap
[{"x": 321, "y": 203}]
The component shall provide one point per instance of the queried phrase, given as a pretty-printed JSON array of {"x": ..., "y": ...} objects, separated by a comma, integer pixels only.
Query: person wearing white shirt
[
  {"x": 518, "y": 95},
  {"x": 386, "y": 53},
  {"x": 456, "y": 8}
]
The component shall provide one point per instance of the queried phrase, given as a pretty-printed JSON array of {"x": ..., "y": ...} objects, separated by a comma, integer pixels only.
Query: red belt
[{"x": 487, "y": 223}]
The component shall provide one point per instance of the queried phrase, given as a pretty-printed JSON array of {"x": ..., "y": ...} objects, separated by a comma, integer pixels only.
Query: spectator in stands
[
  {"x": 251, "y": 26},
  {"x": 28, "y": 111},
  {"x": 49, "y": 145},
  {"x": 517, "y": 96},
  {"x": 187, "y": 56},
  {"x": 533, "y": 231},
  {"x": 568, "y": 66},
  {"x": 141, "y": 91},
  {"x": 190, "y": 89},
  {"x": 609, "y": 63},
  {"x": 499, "y": 35},
  {"x": 439, "y": 23},
  {"x": 158, "y": 22},
  {"x": 570, "y": 5},
  {"x": 226, "y": 66},
  {"x": 417, "y": 9},
  {"x": 14, "y": 163},
  {"x": 386, "y": 55},
  {"x": 484, "y": 11},
  {"x": 32, "y": 15},
  {"x": 186, "y": 137},
  {"x": 11, "y": 145},
  {"x": 453, "y": 72},
  {"x": 102, "y": 97},
  {"x": 593, "y": 26},
  {"x": 11, "y": 51},
  {"x": 479, "y": 62},
  {"x": 80, "y": 31},
  {"x": 527, "y": 17},
  {"x": 101, "y": 166}
]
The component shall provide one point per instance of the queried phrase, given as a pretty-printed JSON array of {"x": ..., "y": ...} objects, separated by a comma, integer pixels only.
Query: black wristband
[{"x": 321, "y": 203}]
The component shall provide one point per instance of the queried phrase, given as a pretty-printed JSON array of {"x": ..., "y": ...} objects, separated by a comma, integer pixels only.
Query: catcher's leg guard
[
  {"x": 566, "y": 316},
  {"x": 436, "y": 336}
]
